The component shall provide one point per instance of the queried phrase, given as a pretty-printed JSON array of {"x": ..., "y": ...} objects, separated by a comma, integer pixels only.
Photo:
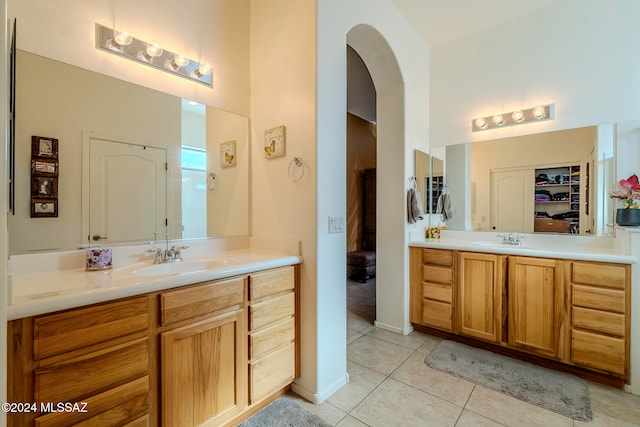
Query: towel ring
[
  {"x": 296, "y": 164},
  {"x": 212, "y": 181}
]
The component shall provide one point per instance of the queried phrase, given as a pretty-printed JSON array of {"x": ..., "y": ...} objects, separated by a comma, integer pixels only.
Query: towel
[
  {"x": 445, "y": 207},
  {"x": 414, "y": 206}
]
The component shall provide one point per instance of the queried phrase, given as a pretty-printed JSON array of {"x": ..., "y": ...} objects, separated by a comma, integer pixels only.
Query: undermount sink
[{"x": 178, "y": 267}]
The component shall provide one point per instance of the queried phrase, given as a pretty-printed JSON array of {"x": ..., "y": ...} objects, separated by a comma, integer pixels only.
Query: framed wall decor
[
  {"x": 44, "y": 167},
  {"x": 44, "y": 208},
  {"x": 228, "y": 154},
  {"x": 274, "y": 142},
  {"x": 44, "y": 147},
  {"x": 44, "y": 186},
  {"x": 44, "y": 177}
]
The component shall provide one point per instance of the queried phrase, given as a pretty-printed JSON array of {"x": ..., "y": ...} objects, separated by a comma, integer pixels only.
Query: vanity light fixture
[
  {"x": 119, "y": 42},
  {"x": 518, "y": 117}
]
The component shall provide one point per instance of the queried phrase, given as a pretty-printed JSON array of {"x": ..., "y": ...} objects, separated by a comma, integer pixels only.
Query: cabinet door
[
  {"x": 204, "y": 373},
  {"x": 536, "y": 305},
  {"x": 481, "y": 288}
]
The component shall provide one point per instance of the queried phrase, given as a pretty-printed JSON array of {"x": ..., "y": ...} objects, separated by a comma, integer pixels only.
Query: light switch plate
[{"x": 336, "y": 224}]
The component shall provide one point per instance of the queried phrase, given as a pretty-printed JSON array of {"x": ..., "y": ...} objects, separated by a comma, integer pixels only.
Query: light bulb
[
  {"x": 203, "y": 70},
  {"x": 151, "y": 50},
  {"x": 481, "y": 123},
  {"x": 122, "y": 38},
  {"x": 517, "y": 116},
  {"x": 498, "y": 120},
  {"x": 180, "y": 61},
  {"x": 539, "y": 112}
]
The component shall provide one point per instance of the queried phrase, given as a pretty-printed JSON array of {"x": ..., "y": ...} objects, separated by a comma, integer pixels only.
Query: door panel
[
  {"x": 127, "y": 191},
  {"x": 512, "y": 197}
]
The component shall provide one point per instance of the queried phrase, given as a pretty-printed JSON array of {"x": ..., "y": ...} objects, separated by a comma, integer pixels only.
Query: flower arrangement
[{"x": 630, "y": 193}]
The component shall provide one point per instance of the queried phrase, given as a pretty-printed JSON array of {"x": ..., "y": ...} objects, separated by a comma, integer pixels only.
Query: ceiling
[{"x": 442, "y": 21}]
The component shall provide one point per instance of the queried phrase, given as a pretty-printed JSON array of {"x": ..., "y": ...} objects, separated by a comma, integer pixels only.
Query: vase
[{"x": 628, "y": 217}]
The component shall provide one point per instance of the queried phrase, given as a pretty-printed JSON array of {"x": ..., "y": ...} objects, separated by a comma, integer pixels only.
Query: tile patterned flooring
[{"x": 389, "y": 385}]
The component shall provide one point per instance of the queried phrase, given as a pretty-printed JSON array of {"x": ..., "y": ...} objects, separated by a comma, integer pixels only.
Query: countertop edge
[
  {"x": 40, "y": 306},
  {"x": 569, "y": 254}
]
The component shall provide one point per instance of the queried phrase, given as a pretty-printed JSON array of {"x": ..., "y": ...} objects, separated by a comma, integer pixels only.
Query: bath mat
[
  {"x": 556, "y": 391},
  {"x": 284, "y": 413}
]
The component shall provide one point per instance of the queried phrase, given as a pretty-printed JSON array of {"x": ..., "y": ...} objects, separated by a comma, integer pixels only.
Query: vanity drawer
[
  {"x": 598, "y": 351},
  {"x": 70, "y": 330},
  {"x": 437, "y": 314},
  {"x": 598, "y": 321},
  {"x": 271, "y": 310},
  {"x": 432, "y": 273},
  {"x": 112, "y": 407},
  {"x": 437, "y": 292},
  {"x": 437, "y": 257},
  {"x": 271, "y": 282},
  {"x": 598, "y": 274},
  {"x": 272, "y": 337},
  {"x": 71, "y": 379},
  {"x": 272, "y": 372},
  {"x": 202, "y": 299},
  {"x": 599, "y": 298}
]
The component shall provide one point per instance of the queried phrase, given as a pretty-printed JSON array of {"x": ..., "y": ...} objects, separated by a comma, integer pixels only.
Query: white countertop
[
  {"x": 551, "y": 246},
  {"x": 48, "y": 291}
]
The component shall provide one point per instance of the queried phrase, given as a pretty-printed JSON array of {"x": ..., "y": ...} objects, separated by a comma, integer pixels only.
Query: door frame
[{"x": 87, "y": 136}]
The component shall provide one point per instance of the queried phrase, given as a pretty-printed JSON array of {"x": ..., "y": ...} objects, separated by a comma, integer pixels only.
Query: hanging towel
[
  {"x": 414, "y": 206},
  {"x": 445, "y": 207}
]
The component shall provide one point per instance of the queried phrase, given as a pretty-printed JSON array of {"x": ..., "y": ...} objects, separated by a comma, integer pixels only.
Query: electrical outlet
[{"x": 336, "y": 224}]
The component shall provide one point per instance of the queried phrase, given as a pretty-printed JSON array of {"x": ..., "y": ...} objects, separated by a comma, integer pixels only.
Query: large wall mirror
[
  {"x": 108, "y": 130},
  {"x": 554, "y": 182}
]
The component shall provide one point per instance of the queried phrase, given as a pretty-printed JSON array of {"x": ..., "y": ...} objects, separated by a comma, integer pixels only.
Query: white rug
[
  {"x": 556, "y": 391},
  {"x": 284, "y": 413}
]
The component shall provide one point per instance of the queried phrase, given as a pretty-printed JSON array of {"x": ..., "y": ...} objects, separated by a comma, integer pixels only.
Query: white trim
[{"x": 320, "y": 397}]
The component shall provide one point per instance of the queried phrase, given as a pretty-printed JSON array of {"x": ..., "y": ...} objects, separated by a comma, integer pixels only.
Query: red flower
[{"x": 631, "y": 182}]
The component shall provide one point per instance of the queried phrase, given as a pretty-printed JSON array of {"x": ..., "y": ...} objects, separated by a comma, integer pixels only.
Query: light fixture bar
[
  {"x": 518, "y": 117},
  {"x": 150, "y": 53}
]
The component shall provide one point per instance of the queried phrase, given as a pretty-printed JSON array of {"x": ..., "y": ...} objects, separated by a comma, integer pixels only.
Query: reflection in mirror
[
  {"x": 80, "y": 105},
  {"x": 429, "y": 179},
  {"x": 554, "y": 182}
]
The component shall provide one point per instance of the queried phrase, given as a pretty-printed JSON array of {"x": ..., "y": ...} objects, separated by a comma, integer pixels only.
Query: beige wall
[
  {"x": 80, "y": 101},
  {"x": 561, "y": 148},
  {"x": 361, "y": 155},
  {"x": 283, "y": 92}
]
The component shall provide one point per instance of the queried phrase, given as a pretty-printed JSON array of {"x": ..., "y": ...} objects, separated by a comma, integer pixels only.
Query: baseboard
[
  {"x": 320, "y": 397},
  {"x": 403, "y": 331}
]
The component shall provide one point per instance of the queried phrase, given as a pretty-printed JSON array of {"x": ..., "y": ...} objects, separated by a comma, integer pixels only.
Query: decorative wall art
[
  {"x": 44, "y": 177},
  {"x": 228, "y": 154},
  {"x": 274, "y": 142}
]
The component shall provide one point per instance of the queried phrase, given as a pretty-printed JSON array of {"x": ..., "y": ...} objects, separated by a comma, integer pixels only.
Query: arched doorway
[{"x": 391, "y": 295}]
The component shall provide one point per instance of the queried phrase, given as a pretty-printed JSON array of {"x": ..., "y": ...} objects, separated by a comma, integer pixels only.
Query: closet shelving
[{"x": 557, "y": 195}]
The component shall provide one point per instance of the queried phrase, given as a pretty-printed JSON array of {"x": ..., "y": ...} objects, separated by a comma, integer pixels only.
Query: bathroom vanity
[
  {"x": 209, "y": 341},
  {"x": 568, "y": 305}
]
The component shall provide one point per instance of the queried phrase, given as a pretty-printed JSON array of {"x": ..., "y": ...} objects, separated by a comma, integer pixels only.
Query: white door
[
  {"x": 512, "y": 200},
  {"x": 127, "y": 192}
]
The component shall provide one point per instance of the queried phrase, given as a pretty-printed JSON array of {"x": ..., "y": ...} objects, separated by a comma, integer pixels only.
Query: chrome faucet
[
  {"x": 511, "y": 239},
  {"x": 167, "y": 255}
]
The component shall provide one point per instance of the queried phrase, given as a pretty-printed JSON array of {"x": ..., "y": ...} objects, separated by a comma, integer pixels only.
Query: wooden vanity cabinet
[
  {"x": 99, "y": 355},
  {"x": 536, "y": 306},
  {"x": 203, "y": 375},
  {"x": 574, "y": 312},
  {"x": 481, "y": 290},
  {"x": 600, "y": 316},
  {"x": 432, "y": 276},
  {"x": 272, "y": 332},
  {"x": 204, "y": 354}
]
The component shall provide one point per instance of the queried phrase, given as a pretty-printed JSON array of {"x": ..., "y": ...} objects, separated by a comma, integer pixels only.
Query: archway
[{"x": 391, "y": 306}]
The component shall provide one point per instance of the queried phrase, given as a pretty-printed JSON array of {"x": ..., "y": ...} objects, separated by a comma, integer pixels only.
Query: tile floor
[{"x": 389, "y": 385}]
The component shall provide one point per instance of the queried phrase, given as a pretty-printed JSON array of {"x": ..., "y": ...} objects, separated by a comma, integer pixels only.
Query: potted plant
[{"x": 629, "y": 214}]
